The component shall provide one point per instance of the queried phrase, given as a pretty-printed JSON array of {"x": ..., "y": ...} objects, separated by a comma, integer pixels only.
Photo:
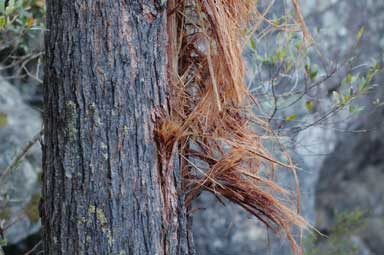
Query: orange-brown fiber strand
[
  {"x": 212, "y": 117},
  {"x": 300, "y": 19}
]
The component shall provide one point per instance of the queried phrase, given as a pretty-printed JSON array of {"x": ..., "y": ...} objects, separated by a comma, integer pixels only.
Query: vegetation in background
[
  {"x": 300, "y": 87},
  {"x": 338, "y": 241},
  {"x": 21, "y": 28}
]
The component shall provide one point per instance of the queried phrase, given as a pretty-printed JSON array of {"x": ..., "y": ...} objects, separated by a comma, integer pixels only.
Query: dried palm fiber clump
[{"x": 212, "y": 119}]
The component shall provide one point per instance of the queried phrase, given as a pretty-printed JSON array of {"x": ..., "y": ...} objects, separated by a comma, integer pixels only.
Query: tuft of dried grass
[{"x": 212, "y": 119}]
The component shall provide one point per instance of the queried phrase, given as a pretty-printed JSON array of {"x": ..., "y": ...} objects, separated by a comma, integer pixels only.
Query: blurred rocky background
[
  {"x": 341, "y": 157},
  {"x": 327, "y": 107}
]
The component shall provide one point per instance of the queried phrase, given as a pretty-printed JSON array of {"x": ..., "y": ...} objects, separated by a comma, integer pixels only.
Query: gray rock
[
  {"x": 351, "y": 176},
  {"x": 351, "y": 179},
  {"x": 18, "y": 192}
]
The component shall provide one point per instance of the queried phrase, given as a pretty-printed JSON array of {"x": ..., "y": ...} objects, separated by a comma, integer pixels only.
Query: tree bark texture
[{"x": 103, "y": 182}]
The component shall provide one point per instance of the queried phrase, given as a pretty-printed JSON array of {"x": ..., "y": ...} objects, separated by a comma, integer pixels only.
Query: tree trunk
[{"x": 104, "y": 185}]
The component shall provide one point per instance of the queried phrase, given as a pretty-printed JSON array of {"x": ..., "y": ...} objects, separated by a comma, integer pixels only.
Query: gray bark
[{"x": 103, "y": 181}]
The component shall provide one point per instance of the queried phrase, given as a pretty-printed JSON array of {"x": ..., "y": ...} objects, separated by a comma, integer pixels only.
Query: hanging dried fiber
[{"x": 212, "y": 119}]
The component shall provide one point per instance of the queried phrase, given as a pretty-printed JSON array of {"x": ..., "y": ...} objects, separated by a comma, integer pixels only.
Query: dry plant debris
[{"x": 212, "y": 121}]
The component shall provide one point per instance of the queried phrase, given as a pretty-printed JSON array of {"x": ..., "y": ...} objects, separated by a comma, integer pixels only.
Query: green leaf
[
  {"x": 309, "y": 105},
  {"x": 288, "y": 66},
  {"x": 345, "y": 99},
  {"x": 363, "y": 85},
  {"x": 291, "y": 117},
  {"x": 3, "y": 22},
  {"x": 312, "y": 75},
  {"x": 30, "y": 21},
  {"x": 307, "y": 68},
  {"x": 11, "y": 8},
  {"x": 360, "y": 33},
  {"x": 9, "y": 11},
  {"x": 266, "y": 59},
  {"x": 252, "y": 43},
  {"x": 3, "y": 119},
  {"x": 276, "y": 22},
  {"x": 355, "y": 109},
  {"x": 281, "y": 54},
  {"x": 3, "y": 242},
  {"x": 369, "y": 76},
  {"x": 349, "y": 78}
]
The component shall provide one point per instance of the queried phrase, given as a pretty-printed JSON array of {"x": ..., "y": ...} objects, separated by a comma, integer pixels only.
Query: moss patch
[
  {"x": 3, "y": 119},
  {"x": 102, "y": 219},
  {"x": 5, "y": 214},
  {"x": 71, "y": 130},
  {"x": 32, "y": 208}
]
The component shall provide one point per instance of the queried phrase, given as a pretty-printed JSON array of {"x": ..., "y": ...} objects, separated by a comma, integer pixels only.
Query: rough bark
[{"x": 103, "y": 182}]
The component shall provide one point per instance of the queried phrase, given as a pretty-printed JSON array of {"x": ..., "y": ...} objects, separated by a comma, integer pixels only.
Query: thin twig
[
  {"x": 34, "y": 248},
  {"x": 20, "y": 156}
]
